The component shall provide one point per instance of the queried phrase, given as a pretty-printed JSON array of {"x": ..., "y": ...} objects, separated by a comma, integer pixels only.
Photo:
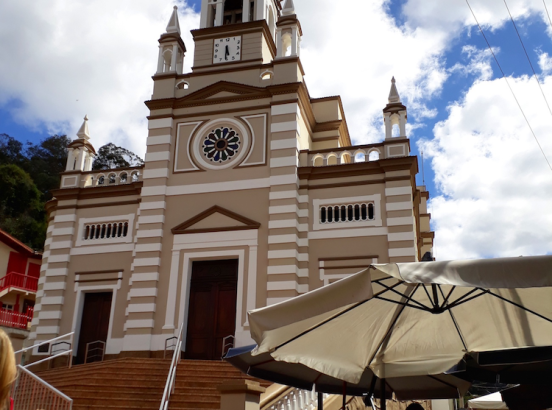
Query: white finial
[
  {"x": 289, "y": 8},
  {"x": 174, "y": 25},
  {"x": 83, "y": 130},
  {"x": 394, "y": 94}
]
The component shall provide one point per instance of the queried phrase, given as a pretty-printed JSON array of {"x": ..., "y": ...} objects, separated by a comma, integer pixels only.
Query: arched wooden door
[{"x": 212, "y": 308}]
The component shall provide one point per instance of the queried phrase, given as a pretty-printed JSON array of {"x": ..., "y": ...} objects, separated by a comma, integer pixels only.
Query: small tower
[
  {"x": 394, "y": 113},
  {"x": 80, "y": 153},
  {"x": 216, "y": 13},
  {"x": 288, "y": 32},
  {"x": 171, "y": 48}
]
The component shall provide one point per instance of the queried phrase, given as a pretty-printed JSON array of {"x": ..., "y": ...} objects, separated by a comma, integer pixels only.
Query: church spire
[
  {"x": 174, "y": 25},
  {"x": 394, "y": 94},
  {"x": 83, "y": 132},
  {"x": 394, "y": 114},
  {"x": 289, "y": 8}
]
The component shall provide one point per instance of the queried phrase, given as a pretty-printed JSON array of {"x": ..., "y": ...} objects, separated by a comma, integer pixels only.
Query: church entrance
[
  {"x": 94, "y": 325},
  {"x": 212, "y": 308}
]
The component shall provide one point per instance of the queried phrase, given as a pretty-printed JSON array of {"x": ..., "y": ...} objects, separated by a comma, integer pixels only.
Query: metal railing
[
  {"x": 168, "y": 347},
  {"x": 18, "y": 280},
  {"x": 16, "y": 320},
  {"x": 227, "y": 345},
  {"x": 30, "y": 392},
  {"x": 296, "y": 399},
  {"x": 69, "y": 351},
  {"x": 98, "y": 351},
  {"x": 171, "y": 377}
]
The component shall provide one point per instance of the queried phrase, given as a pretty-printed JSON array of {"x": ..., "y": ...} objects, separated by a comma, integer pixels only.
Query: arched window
[
  {"x": 373, "y": 156},
  {"x": 233, "y": 12}
]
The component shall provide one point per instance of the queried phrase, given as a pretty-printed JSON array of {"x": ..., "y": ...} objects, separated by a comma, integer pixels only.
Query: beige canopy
[
  {"x": 412, "y": 318},
  {"x": 490, "y": 401}
]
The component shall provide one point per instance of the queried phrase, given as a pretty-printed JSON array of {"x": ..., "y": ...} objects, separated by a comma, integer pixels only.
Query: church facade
[{"x": 251, "y": 193}]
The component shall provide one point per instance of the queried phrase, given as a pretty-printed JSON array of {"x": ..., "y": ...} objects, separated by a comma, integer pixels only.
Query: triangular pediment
[
  {"x": 225, "y": 90},
  {"x": 215, "y": 219}
]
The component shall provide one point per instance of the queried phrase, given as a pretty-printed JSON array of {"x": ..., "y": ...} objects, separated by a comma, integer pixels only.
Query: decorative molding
[{"x": 248, "y": 223}]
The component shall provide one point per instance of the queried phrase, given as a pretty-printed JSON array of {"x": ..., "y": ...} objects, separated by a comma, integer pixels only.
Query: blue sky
[{"x": 490, "y": 185}]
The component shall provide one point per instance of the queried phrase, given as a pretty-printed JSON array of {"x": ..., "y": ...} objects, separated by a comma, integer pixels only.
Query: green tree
[
  {"x": 45, "y": 161},
  {"x": 11, "y": 150},
  {"x": 22, "y": 212},
  {"x": 111, "y": 156}
]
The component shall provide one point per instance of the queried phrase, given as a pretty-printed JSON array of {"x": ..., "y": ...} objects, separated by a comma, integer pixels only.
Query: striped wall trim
[
  {"x": 402, "y": 252},
  {"x": 403, "y": 190},
  {"x": 158, "y": 140},
  {"x": 405, "y": 220}
]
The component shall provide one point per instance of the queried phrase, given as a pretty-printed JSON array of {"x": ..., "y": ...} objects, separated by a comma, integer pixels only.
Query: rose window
[{"x": 221, "y": 144}]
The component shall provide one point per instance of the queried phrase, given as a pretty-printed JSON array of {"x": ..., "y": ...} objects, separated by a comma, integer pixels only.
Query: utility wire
[
  {"x": 528, "y": 59},
  {"x": 508, "y": 83},
  {"x": 546, "y": 8}
]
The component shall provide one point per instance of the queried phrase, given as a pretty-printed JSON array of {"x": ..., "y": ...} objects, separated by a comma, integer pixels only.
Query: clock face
[{"x": 227, "y": 49}]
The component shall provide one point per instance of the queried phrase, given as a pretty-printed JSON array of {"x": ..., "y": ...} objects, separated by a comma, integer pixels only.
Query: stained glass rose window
[{"x": 221, "y": 144}]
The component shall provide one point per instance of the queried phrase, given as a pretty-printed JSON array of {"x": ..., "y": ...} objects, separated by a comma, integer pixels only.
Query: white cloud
[
  {"x": 65, "y": 59},
  {"x": 496, "y": 187},
  {"x": 479, "y": 63},
  {"x": 354, "y": 51},
  {"x": 545, "y": 63},
  {"x": 451, "y": 17}
]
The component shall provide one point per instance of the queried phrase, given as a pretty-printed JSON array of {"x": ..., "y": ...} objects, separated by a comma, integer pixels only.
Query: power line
[
  {"x": 508, "y": 83},
  {"x": 546, "y": 8},
  {"x": 528, "y": 59}
]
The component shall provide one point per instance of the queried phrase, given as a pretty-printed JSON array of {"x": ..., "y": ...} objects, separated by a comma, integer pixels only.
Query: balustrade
[
  {"x": 18, "y": 280},
  {"x": 297, "y": 399}
]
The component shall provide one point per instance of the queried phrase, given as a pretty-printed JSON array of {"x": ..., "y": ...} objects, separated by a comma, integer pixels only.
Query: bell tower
[
  {"x": 215, "y": 13},
  {"x": 394, "y": 114},
  {"x": 80, "y": 152},
  {"x": 288, "y": 32},
  {"x": 171, "y": 48}
]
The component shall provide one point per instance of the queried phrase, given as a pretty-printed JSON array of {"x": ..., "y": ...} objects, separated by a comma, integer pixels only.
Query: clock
[{"x": 227, "y": 49}]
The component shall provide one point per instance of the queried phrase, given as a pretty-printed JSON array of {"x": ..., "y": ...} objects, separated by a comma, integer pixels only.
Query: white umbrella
[
  {"x": 411, "y": 319},
  {"x": 490, "y": 401}
]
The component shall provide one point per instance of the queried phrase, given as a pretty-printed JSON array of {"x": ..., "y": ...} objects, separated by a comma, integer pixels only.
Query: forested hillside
[{"x": 28, "y": 173}]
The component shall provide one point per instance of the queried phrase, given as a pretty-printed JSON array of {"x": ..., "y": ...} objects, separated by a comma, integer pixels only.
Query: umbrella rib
[
  {"x": 401, "y": 295},
  {"x": 456, "y": 324},
  {"x": 427, "y": 293},
  {"x": 441, "y": 381},
  {"x": 334, "y": 317},
  {"x": 463, "y": 297},
  {"x": 392, "y": 326},
  {"x": 448, "y": 296},
  {"x": 519, "y": 306},
  {"x": 456, "y": 303},
  {"x": 423, "y": 308}
]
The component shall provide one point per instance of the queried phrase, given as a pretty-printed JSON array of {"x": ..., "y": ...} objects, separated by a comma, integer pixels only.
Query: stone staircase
[{"x": 133, "y": 383}]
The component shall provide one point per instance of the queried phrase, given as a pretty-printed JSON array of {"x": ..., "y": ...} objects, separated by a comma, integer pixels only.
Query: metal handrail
[
  {"x": 171, "y": 377},
  {"x": 227, "y": 345},
  {"x": 167, "y": 347},
  {"x": 70, "y": 335},
  {"x": 31, "y": 392},
  {"x": 96, "y": 348},
  {"x": 54, "y": 351}
]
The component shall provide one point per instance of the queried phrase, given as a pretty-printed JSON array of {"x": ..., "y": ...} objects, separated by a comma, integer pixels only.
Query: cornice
[
  {"x": 134, "y": 188},
  {"x": 170, "y": 37},
  {"x": 360, "y": 168}
]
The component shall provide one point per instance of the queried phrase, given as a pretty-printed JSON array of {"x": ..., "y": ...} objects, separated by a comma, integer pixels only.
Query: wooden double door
[
  {"x": 212, "y": 308},
  {"x": 94, "y": 325}
]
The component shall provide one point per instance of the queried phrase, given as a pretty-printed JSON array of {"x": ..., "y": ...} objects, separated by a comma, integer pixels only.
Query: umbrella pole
[
  {"x": 344, "y": 394},
  {"x": 382, "y": 400},
  {"x": 320, "y": 401}
]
